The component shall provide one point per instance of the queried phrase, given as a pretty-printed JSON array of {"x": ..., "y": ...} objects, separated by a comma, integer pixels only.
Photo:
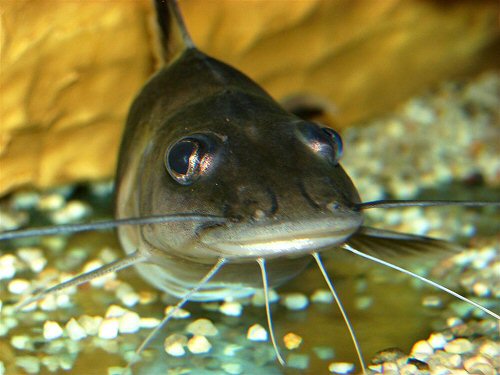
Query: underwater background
[{"x": 405, "y": 137}]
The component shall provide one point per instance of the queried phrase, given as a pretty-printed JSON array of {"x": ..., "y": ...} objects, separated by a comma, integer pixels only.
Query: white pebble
[
  {"x": 75, "y": 330},
  {"x": 257, "y": 333},
  {"x": 323, "y": 352},
  {"x": 295, "y": 301},
  {"x": 74, "y": 210},
  {"x": 7, "y": 266},
  {"x": 25, "y": 199},
  {"x": 51, "y": 363},
  {"x": 292, "y": 341},
  {"x": 199, "y": 344},
  {"x": 50, "y": 202},
  {"x": 149, "y": 322},
  {"x": 437, "y": 340},
  {"x": 453, "y": 321},
  {"x": 33, "y": 257},
  {"x": 409, "y": 369},
  {"x": 52, "y": 302},
  {"x": 12, "y": 220},
  {"x": 112, "y": 285},
  {"x": 19, "y": 286},
  {"x": 28, "y": 253},
  {"x": 377, "y": 369},
  {"x": 405, "y": 190},
  {"x": 393, "y": 217},
  {"x": 30, "y": 364},
  {"x": 21, "y": 342},
  {"x": 447, "y": 359},
  {"x": 52, "y": 330},
  {"x": 341, "y": 367},
  {"x": 90, "y": 324},
  {"x": 232, "y": 368},
  {"x": 203, "y": 327},
  {"x": 432, "y": 301},
  {"x": 48, "y": 303},
  {"x": 37, "y": 265},
  {"x": 232, "y": 349},
  {"x": 108, "y": 255},
  {"x": 102, "y": 189},
  {"x": 490, "y": 349},
  {"x": 66, "y": 362},
  {"x": 174, "y": 345},
  {"x": 8, "y": 323},
  {"x": 422, "y": 347},
  {"x": 298, "y": 361},
  {"x": 458, "y": 346},
  {"x": 146, "y": 297},
  {"x": 481, "y": 289},
  {"x": 130, "y": 322},
  {"x": 108, "y": 329},
  {"x": 130, "y": 299},
  {"x": 122, "y": 289},
  {"x": 55, "y": 243},
  {"x": 3, "y": 330},
  {"x": 117, "y": 370},
  {"x": 321, "y": 296},
  {"x": 231, "y": 308},
  {"x": 258, "y": 299},
  {"x": 363, "y": 302},
  {"x": 478, "y": 365},
  {"x": 412, "y": 213},
  {"x": 421, "y": 225},
  {"x": 179, "y": 313},
  {"x": 115, "y": 311},
  {"x": 63, "y": 300}
]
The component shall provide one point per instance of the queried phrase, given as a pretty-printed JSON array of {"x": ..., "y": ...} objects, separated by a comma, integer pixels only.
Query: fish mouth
[{"x": 271, "y": 240}]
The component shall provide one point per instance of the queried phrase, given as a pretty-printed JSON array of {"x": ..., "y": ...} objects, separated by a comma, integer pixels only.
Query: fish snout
[
  {"x": 291, "y": 201},
  {"x": 328, "y": 195}
]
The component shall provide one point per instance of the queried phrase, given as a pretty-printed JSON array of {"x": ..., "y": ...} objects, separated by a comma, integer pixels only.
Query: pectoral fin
[{"x": 386, "y": 243}]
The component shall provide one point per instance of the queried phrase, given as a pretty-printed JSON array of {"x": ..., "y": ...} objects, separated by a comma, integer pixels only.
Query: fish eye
[
  {"x": 336, "y": 142},
  {"x": 323, "y": 141},
  {"x": 189, "y": 158}
]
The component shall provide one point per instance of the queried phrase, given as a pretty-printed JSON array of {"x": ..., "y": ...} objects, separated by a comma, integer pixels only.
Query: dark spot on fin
[
  {"x": 385, "y": 243},
  {"x": 173, "y": 35}
]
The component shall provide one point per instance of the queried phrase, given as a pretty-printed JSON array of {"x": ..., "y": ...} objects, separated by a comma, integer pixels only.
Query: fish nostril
[
  {"x": 333, "y": 206},
  {"x": 254, "y": 201},
  {"x": 322, "y": 193},
  {"x": 259, "y": 215}
]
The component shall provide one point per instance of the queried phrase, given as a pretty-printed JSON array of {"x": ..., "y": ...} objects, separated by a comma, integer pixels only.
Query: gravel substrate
[{"x": 449, "y": 135}]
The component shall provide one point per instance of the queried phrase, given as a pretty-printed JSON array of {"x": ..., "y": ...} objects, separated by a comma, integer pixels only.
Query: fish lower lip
[{"x": 269, "y": 247}]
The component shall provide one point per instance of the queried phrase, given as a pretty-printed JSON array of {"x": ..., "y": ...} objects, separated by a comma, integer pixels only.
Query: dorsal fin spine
[
  {"x": 176, "y": 13},
  {"x": 174, "y": 37}
]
